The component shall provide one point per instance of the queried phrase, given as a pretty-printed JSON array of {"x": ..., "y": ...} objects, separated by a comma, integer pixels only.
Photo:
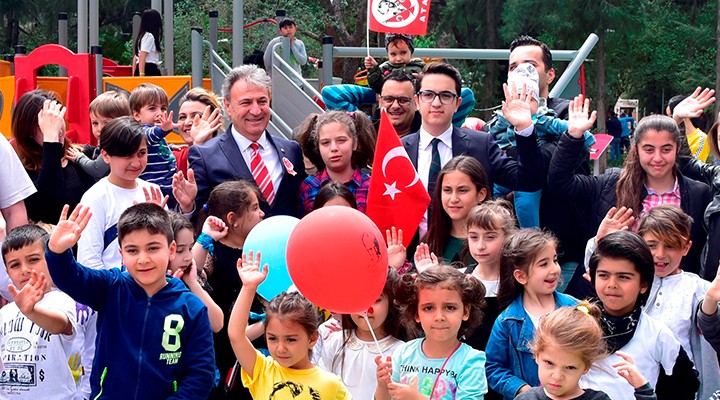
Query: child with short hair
[
  {"x": 622, "y": 272},
  {"x": 123, "y": 146},
  {"x": 103, "y": 109},
  {"x": 154, "y": 338},
  {"x": 529, "y": 276},
  {"x": 567, "y": 342},
  {"x": 38, "y": 326},
  {"x": 676, "y": 294},
  {"x": 291, "y": 332},
  {"x": 298, "y": 55},
  {"x": 447, "y": 305},
  {"x": 400, "y": 48},
  {"x": 149, "y": 104}
]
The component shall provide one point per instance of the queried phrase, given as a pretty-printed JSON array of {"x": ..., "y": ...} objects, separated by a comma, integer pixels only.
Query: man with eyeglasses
[
  {"x": 437, "y": 139},
  {"x": 396, "y": 97}
]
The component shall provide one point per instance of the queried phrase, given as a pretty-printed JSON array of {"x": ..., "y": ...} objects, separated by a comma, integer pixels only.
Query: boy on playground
[
  {"x": 38, "y": 327},
  {"x": 298, "y": 55},
  {"x": 154, "y": 339}
]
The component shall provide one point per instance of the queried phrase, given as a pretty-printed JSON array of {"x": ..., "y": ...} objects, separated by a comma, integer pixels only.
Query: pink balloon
[{"x": 337, "y": 259}]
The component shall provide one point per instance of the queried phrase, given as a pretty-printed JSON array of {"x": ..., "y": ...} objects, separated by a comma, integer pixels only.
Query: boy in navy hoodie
[{"x": 153, "y": 336}]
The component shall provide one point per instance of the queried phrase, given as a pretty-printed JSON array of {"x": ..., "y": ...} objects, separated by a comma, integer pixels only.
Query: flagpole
[{"x": 367, "y": 31}]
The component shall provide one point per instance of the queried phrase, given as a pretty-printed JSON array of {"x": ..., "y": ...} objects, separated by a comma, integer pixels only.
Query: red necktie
[{"x": 260, "y": 174}]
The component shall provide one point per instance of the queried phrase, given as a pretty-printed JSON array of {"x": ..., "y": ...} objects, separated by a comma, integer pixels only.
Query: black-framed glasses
[
  {"x": 389, "y": 100},
  {"x": 428, "y": 96}
]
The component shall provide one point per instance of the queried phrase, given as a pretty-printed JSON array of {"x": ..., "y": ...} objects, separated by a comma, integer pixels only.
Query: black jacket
[{"x": 599, "y": 193}]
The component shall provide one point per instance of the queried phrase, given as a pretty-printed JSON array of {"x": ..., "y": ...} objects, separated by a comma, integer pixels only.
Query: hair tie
[
  {"x": 205, "y": 208},
  {"x": 583, "y": 309},
  {"x": 351, "y": 114}
]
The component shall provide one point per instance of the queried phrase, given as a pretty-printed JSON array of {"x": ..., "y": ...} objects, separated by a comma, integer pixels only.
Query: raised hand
[
  {"x": 370, "y": 62},
  {"x": 166, "y": 122},
  {"x": 154, "y": 195},
  {"x": 628, "y": 370},
  {"x": 203, "y": 127},
  {"x": 51, "y": 121},
  {"x": 249, "y": 270},
  {"x": 215, "y": 228},
  {"x": 615, "y": 220},
  {"x": 72, "y": 153},
  {"x": 580, "y": 119},
  {"x": 30, "y": 294},
  {"x": 184, "y": 190},
  {"x": 712, "y": 296},
  {"x": 68, "y": 230},
  {"x": 396, "y": 250},
  {"x": 516, "y": 107},
  {"x": 424, "y": 259},
  {"x": 694, "y": 104}
]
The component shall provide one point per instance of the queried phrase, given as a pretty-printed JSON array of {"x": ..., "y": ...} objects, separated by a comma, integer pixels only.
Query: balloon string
[{"x": 372, "y": 332}]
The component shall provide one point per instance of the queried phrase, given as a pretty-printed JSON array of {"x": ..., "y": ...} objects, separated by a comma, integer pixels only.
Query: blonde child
[
  {"x": 40, "y": 317},
  {"x": 446, "y": 304},
  {"x": 529, "y": 277},
  {"x": 351, "y": 353},
  {"x": 103, "y": 109},
  {"x": 340, "y": 145},
  {"x": 676, "y": 294},
  {"x": 567, "y": 342},
  {"x": 149, "y": 104},
  {"x": 290, "y": 331}
]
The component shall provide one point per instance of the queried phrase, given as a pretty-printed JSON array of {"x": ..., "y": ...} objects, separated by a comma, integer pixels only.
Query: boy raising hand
[{"x": 154, "y": 339}]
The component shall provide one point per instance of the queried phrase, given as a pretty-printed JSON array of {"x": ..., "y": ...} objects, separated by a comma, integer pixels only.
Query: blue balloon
[{"x": 270, "y": 238}]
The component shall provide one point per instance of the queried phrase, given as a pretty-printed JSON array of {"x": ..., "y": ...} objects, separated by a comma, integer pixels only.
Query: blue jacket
[
  {"x": 157, "y": 347},
  {"x": 510, "y": 363}
]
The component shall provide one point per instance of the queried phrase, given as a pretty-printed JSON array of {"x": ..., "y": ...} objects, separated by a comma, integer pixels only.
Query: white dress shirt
[{"x": 267, "y": 152}]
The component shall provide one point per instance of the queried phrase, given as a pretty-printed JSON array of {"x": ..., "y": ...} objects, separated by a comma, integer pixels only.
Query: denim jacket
[{"x": 510, "y": 363}]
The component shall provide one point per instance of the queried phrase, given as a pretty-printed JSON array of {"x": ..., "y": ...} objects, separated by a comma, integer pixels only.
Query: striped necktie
[{"x": 260, "y": 174}]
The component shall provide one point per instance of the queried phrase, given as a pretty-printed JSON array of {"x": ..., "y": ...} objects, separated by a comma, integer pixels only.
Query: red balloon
[{"x": 337, "y": 259}]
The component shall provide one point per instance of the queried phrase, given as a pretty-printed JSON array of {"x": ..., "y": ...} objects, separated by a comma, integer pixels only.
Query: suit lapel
[
  {"x": 459, "y": 142},
  {"x": 411, "y": 145},
  {"x": 281, "y": 153},
  {"x": 234, "y": 155}
]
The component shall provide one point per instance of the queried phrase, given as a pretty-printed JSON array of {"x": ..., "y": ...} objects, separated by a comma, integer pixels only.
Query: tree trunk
[
  {"x": 488, "y": 98},
  {"x": 600, "y": 79},
  {"x": 717, "y": 62}
]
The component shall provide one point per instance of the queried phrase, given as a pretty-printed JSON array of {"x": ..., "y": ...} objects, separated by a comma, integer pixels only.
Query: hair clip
[
  {"x": 205, "y": 208},
  {"x": 583, "y": 309},
  {"x": 351, "y": 114}
]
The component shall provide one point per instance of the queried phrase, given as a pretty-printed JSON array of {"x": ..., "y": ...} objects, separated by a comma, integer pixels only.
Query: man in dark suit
[
  {"x": 437, "y": 100},
  {"x": 247, "y": 151}
]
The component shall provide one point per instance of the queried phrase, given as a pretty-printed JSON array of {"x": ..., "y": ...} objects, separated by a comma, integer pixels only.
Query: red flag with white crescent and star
[
  {"x": 396, "y": 196},
  {"x": 399, "y": 16}
]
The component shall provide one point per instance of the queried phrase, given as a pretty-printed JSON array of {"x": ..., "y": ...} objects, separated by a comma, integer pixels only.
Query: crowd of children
[{"x": 135, "y": 292}]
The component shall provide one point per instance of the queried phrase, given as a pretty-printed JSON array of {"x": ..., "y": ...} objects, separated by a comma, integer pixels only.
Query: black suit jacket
[
  {"x": 220, "y": 160},
  {"x": 525, "y": 174}
]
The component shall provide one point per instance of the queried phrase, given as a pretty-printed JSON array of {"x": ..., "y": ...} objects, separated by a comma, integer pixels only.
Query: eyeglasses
[
  {"x": 428, "y": 96},
  {"x": 389, "y": 100}
]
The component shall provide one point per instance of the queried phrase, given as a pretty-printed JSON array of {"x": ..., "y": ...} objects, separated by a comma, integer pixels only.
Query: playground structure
[{"x": 89, "y": 74}]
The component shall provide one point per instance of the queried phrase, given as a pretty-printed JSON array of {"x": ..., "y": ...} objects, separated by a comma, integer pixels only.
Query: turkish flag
[
  {"x": 399, "y": 16},
  {"x": 396, "y": 196}
]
